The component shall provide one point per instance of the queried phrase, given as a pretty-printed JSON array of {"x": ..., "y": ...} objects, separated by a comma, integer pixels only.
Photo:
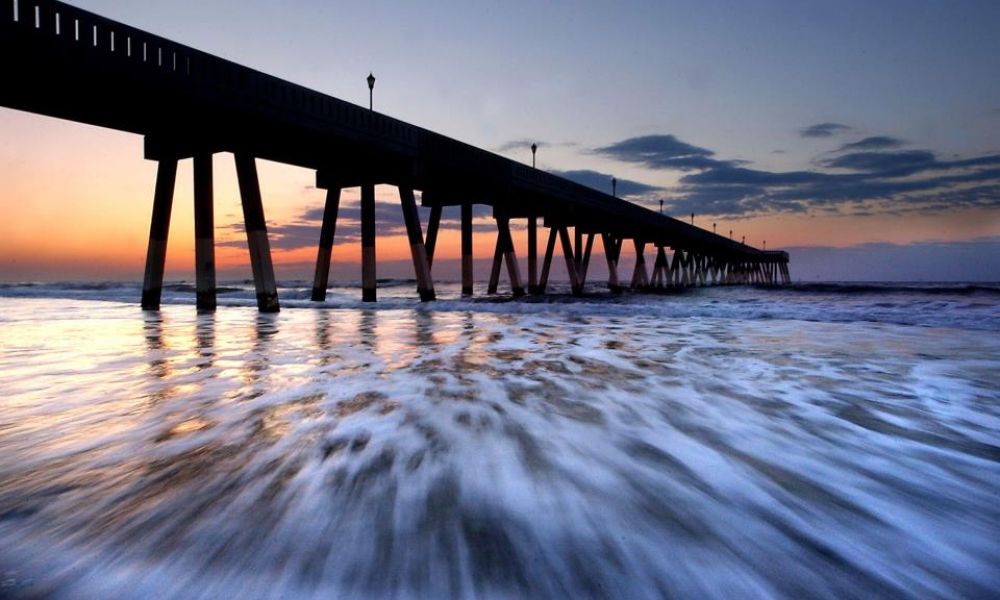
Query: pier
[{"x": 60, "y": 61}]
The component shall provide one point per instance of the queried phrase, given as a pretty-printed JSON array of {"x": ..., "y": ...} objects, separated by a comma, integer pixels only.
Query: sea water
[{"x": 821, "y": 441}]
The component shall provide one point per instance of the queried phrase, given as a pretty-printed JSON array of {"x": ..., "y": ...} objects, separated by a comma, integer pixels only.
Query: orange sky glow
[{"x": 77, "y": 203}]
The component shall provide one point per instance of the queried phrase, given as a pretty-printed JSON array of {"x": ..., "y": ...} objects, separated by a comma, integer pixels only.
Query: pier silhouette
[{"x": 60, "y": 61}]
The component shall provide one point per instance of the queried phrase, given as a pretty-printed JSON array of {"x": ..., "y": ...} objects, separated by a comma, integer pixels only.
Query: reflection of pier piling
[{"x": 189, "y": 104}]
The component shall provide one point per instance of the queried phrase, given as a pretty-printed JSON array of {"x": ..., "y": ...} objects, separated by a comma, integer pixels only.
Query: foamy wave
[{"x": 494, "y": 454}]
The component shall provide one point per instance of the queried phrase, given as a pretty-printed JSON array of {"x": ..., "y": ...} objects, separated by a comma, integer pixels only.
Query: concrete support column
[
  {"x": 204, "y": 232},
  {"x": 156, "y": 251},
  {"x": 532, "y": 255},
  {"x": 467, "y": 272},
  {"x": 368, "y": 293},
  {"x": 256, "y": 228},
  {"x": 326, "y": 234},
  {"x": 421, "y": 261}
]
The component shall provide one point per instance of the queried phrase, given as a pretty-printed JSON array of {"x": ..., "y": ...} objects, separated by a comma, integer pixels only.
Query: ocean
[{"x": 812, "y": 441}]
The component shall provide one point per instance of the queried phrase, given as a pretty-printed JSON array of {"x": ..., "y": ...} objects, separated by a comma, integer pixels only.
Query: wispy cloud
[{"x": 823, "y": 130}]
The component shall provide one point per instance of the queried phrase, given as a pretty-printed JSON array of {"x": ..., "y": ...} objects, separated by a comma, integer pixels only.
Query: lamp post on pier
[
  {"x": 371, "y": 89},
  {"x": 534, "y": 149},
  {"x": 614, "y": 187}
]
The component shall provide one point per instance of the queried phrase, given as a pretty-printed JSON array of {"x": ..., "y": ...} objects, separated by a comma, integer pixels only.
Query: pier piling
[
  {"x": 156, "y": 252},
  {"x": 256, "y": 228},
  {"x": 321, "y": 279},
  {"x": 204, "y": 232}
]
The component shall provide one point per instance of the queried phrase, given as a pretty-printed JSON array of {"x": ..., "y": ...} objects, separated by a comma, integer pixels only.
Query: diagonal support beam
[
  {"x": 159, "y": 227},
  {"x": 491, "y": 287},
  {"x": 256, "y": 228},
  {"x": 611, "y": 247},
  {"x": 322, "y": 277},
  {"x": 421, "y": 261},
  {"x": 585, "y": 264},
  {"x": 433, "y": 225},
  {"x": 571, "y": 265},
  {"x": 550, "y": 247},
  {"x": 640, "y": 279},
  {"x": 510, "y": 256}
]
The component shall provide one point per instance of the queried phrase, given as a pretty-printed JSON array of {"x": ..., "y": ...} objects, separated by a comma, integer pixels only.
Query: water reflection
[
  {"x": 423, "y": 322},
  {"x": 258, "y": 358},
  {"x": 366, "y": 328},
  {"x": 152, "y": 328},
  {"x": 204, "y": 328},
  {"x": 323, "y": 323}
]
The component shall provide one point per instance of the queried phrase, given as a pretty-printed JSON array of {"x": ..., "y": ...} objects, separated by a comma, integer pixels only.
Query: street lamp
[
  {"x": 371, "y": 88},
  {"x": 692, "y": 218},
  {"x": 713, "y": 227},
  {"x": 765, "y": 244},
  {"x": 744, "y": 241},
  {"x": 534, "y": 149},
  {"x": 614, "y": 187},
  {"x": 661, "y": 206},
  {"x": 730, "y": 234}
]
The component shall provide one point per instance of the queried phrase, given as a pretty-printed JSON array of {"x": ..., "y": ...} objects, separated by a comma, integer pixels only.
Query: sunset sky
[{"x": 864, "y": 137}]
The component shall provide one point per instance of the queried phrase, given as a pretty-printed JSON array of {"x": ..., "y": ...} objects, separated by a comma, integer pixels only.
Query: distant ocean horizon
[
  {"x": 818, "y": 440},
  {"x": 967, "y": 305}
]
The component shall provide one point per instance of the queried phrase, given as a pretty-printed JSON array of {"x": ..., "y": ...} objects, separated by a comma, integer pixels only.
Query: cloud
[
  {"x": 886, "y": 163},
  {"x": 662, "y": 152},
  {"x": 867, "y": 178},
  {"x": 823, "y": 130},
  {"x": 602, "y": 182},
  {"x": 878, "y": 142}
]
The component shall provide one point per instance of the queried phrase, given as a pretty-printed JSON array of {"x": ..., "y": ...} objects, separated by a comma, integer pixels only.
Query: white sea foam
[{"x": 614, "y": 448}]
